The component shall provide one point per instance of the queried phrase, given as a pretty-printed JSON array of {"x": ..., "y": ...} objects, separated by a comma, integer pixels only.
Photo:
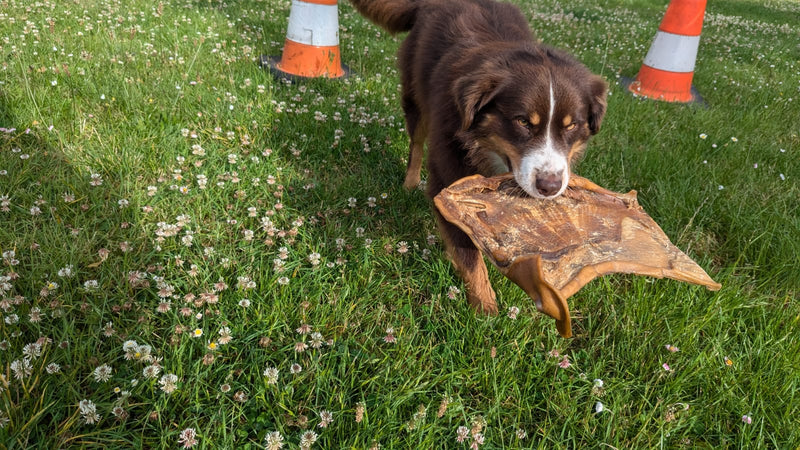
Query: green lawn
[{"x": 176, "y": 226}]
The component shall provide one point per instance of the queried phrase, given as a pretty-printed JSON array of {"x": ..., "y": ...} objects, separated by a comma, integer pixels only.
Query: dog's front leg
[{"x": 469, "y": 264}]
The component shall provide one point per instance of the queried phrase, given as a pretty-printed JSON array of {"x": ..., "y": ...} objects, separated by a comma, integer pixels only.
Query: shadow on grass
[
  {"x": 58, "y": 227},
  {"x": 349, "y": 169}
]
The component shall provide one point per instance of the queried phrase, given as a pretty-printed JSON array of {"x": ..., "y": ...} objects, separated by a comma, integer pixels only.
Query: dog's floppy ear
[
  {"x": 597, "y": 102},
  {"x": 474, "y": 91}
]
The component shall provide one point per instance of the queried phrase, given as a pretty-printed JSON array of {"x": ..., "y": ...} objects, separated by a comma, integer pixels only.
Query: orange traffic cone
[
  {"x": 668, "y": 68},
  {"x": 311, "y": 49}
]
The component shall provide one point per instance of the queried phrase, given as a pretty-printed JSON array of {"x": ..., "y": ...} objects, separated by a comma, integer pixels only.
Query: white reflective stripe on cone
[
  {"x": 673, "y": 52},
  {"x": 313, "y": 24}
]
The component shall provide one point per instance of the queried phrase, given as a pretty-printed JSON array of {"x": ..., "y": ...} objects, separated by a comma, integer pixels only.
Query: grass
[{"x": 156, "y": 186}]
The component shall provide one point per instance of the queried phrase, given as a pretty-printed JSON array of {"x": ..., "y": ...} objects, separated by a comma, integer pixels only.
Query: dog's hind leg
[{"x": 417, "y": 131}]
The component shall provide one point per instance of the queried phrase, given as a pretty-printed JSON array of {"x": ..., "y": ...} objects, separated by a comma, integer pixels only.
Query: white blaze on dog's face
[
  {"x": 535, "y": 124},
  {"x": 543, "y": 170}
]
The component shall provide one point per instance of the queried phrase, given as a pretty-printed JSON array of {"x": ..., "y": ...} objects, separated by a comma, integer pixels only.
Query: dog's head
[{"x": 530, "y": 112}]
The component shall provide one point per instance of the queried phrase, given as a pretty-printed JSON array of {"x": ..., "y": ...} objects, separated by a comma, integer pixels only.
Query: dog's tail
[{"x": 394, "y": 15}]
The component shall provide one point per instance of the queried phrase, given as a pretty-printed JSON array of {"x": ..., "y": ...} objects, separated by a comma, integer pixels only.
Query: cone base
[
  {"x": 691, "y": 97},
  {"x": 273, "y": 65}
]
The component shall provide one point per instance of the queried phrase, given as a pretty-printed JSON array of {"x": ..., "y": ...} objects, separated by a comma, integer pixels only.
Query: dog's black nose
[{"x": 548, "y": 184}]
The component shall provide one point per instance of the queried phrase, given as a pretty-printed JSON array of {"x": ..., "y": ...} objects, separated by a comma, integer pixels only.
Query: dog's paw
[
  {"x": 411, "y": 182},
  {"x": 483, "y": 300}
]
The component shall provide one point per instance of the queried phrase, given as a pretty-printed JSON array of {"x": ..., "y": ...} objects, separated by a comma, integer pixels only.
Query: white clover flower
[
  {"x": 314, "y": 258},
  {"x": 129, "y": 346},
  {"x": 273, "y": 441},
  {"x": 32, "y": 350},
  {"x": 168, "y": 382},
  {"x": 271, "y": 373},
  {"x": 151, "y": 371},
  {"x": 22, "y": 368},
  {"x": 102, "y": 373},
  {"x": 88, "y": 411},
  {"x": 66, "y": 272},
  {"x": 308, "y": 439}
]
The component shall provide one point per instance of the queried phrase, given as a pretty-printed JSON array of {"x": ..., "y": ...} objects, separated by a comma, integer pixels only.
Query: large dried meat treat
[{"x": 552, "y": 248}]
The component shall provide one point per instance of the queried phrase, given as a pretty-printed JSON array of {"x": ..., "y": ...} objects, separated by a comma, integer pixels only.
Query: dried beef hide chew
[{"x": 552, "y": 248}]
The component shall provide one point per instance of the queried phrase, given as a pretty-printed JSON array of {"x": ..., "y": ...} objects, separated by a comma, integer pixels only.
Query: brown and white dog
[{"x": 488, "y": 99}]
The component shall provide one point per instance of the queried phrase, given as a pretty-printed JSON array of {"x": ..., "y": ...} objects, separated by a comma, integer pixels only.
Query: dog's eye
[
  {"x": 523, "y": 122},
  {"x": 571, "y": 126}
]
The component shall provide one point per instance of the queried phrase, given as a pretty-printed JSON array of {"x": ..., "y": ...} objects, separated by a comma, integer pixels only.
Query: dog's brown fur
[{"x": 480, "y": 90}]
